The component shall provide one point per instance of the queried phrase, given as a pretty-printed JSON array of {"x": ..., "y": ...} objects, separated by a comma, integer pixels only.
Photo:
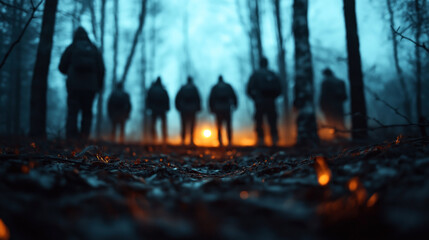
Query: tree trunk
[
  {"x": 101, "y": 93},
  {"x": 304, "y": 92},
  {"x": 407, "y": 100},
  {"x": 281, "y": 61},
  {"x": 145, "y": 122},
  {"x": 91, "y": 6},
  {"x": 41, "y": 69},
  {"x": 135, "y": 40},
  {"x": 18, "y": 79},
  {"x": 115, "y": 42},
  {"x": 419, "y": 23},
  {"x": 358, "y": 103},
  {"x": 255, "y": 32}
]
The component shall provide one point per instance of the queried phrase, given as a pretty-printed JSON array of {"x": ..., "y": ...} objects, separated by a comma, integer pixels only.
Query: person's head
[
  {"x": 158, "y": 80},
  {"x": 190, "y": 80},
  {"x": 80, "y": 34},
  {"x": 263, "y": 63},
  {"x": 327, "y": 72},
  {"x": 220, "y": 79}
]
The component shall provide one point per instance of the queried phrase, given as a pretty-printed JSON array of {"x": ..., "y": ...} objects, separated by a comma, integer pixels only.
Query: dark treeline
[{"x": 28, "y": 29}]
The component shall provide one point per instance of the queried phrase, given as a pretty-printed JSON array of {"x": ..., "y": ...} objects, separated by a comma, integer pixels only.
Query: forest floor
[{"x": 67, "y": 190}]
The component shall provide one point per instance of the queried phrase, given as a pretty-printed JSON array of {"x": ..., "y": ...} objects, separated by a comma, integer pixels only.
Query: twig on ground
[{"x": 373, "y": 128}]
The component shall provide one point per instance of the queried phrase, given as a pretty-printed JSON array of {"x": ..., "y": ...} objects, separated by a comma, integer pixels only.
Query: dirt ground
[{"x": 74, "y": 190}]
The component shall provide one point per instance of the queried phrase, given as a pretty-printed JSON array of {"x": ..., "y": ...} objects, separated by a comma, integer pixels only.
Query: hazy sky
[{"x": 218, "y": 45}]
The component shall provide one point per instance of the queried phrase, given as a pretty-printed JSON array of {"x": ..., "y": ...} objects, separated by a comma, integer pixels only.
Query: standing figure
[
  {"x": 264, "y": 87},
  {"x": 221, "y": 101},
  {"x": 158, "y": 102},
  {"x": 332, "y": 97},
  {"x": 119, "y": 108},
  {"x": 188, "y": 103},
  {"x": 84, "y": 67}
]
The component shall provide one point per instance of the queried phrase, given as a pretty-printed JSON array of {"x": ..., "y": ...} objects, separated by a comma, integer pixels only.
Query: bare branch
[
  {"x": 423, "y": 46},
  {"x": 13, "y": 6},
  {"x": 377, "y": 98},
  {"x": 33, "y": 11}
]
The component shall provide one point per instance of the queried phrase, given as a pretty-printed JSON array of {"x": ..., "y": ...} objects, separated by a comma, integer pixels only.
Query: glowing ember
[
  {"x": 323, "y": 179},
  {"x": 244, "y": 195},
  {"x": 372, "y": 200},
  {"x": 207, "y": 133},
  {"x": 353, "y": 184},
  {"x": 4, "y": 231},
  {"x": 398, "y": 139},
  {"x": 322, "y": 170},
  {"x": 33, "y": 145}
]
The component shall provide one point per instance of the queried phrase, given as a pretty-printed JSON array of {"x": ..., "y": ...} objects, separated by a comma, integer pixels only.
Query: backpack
[
  {"x": 269, "y": 84},
  {"x": 84, "y": 57}
]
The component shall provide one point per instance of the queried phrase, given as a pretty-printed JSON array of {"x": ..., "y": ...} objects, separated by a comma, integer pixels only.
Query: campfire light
[
  {"x": 4, "y": 231},
  {"x": 323, "y": 171},
  {"x": 207, "y": 133}
]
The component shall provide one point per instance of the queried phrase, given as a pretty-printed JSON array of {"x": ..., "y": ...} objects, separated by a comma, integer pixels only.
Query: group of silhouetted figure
[{"x": 83, "y": 64}]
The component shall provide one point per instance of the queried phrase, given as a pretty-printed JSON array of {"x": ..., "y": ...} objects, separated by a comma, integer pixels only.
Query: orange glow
[
  {"x": 244, "y": 195},
  {"x": 4, "y": 231},
  {"x": 324, "y": 179},
  {"x": 353, "y": 184},
  {"x": 372, "y": 200},
  {"x": 323, "y": 171},
  {"x": 398, "y": 139},
  {"x": 207, "y": 133},
  {"x": 33, "y": 145}
]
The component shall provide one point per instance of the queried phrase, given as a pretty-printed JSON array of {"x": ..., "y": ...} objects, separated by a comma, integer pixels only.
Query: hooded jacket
[{"x": 83, "y": 64}]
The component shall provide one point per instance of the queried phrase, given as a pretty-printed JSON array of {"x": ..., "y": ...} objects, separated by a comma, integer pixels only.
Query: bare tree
[
  {"x": 358, "y": 103},
  {"x": 41, "y": 69},
  {"x": 115, "y": 42},
  {"x": 281, "y": 60},
  {"x": 407, "y": 100},
  {"x": 419, "y": 5},
  {"x": 135, "y": 40},
  {"x": 304, "y": 92},
  {"x": 255, "y": 31},
  {"x": 101, "y": 93}
]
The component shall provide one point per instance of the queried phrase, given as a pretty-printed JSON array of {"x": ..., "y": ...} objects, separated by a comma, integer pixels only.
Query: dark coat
[
  {"x": 188, "y": 99},
  {"x": 333, "y": 94},
  {"x": 222, "y": 98},
  {"x": 157, "y": 99},
  {"x": 83, "y": 64},
  {"x": 119, "y": 106},
  {"x": 264, "y": 87}
]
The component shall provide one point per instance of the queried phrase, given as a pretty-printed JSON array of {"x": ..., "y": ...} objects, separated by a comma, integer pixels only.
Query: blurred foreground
[{"x": 66, "y": 190}]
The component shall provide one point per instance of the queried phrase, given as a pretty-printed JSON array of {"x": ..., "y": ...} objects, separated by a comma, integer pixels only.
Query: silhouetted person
[
  {"x": 264, "y": 87},
  {"x": 119, "y": 108},
  {"x": 158, "y": 102},
  {"x": 221, "y": 101},
  {"x": 332, "y": 97},
  {"x": 84, "y": 67},
  {"x": 188, "y": 103}
]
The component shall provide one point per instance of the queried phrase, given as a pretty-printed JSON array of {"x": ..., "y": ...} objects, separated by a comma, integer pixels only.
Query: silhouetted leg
[
  {"x": 259, "y": 117},
  {"x": 219, "y": 128},
  {"x": 86, "y": 102},
  {"x": 153, "y": 127},
  {"x": 192, "y": 127},
  {"x": 183, "y": 130},
  {"x": 164, "y": 128},
  {"x": 122, "y": 133},
  {"x": 72, "y": 111},
  {"x": 229, "y": 128},
  {"x": 272, "y": 121}
]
